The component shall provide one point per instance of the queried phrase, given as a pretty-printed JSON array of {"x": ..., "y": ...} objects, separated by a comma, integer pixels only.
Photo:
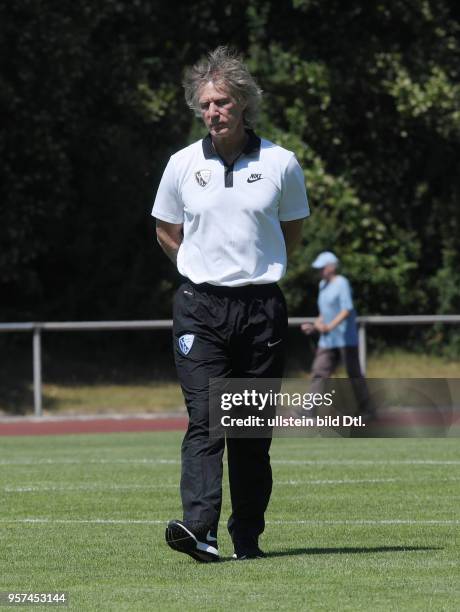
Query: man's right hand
[{"x": 307, "y": 328}]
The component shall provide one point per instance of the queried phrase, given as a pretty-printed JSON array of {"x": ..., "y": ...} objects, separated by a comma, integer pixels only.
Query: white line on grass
[
  {"x": 96, "y": 487},
  {"x": 358, "y": 522},
  {"x": 274, "y": 461},
  {"x": 89, "y": 461},
  {"x": 369, "y": 522},
  {"x": 87, "y": 487},
  {"x": 86, "y": 521},
  {"x": 365, "y": 462},
  {"x": 326, "y": 482}
]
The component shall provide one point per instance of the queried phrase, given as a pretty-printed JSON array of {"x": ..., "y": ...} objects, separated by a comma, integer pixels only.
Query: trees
[
  {"x": 367, "y": 95},
  {"x": 93, "y": 105}
]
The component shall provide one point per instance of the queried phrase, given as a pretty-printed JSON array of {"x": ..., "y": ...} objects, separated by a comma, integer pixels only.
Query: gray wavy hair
[{"x": 223, "y": 66}]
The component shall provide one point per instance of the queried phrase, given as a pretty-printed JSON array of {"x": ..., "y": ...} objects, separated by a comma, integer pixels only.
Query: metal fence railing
[{"x": 37, "y": 330}]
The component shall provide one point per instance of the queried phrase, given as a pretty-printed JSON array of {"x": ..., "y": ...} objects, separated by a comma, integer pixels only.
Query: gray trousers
[{"x": 325, "y": 363}]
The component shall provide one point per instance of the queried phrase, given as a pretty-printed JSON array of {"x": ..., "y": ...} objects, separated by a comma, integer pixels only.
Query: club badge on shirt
[
  {"x": 186, "y": 343},
  {"x": 203, "y": 177}
]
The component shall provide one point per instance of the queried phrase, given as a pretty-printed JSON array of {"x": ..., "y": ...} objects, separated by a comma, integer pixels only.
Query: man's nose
[{"x": 213, "y": 109}]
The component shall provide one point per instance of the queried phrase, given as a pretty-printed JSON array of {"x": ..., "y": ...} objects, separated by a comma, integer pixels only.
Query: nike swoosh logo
[
  {"x": 210, "y": 538},
  {"x": 253, "y": 180},
  {"x": 270, "y": 344}
]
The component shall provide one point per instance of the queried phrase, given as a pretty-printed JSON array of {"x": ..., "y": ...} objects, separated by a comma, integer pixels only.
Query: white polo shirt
[{"x": 231, "y": 213}]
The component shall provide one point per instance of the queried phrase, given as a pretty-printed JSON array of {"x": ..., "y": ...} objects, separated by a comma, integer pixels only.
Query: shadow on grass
[
  {"x": 348, "y": 550},
  {"x": 344, "y": 551}
]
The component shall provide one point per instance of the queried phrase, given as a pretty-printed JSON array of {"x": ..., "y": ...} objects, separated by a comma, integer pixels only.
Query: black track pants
[{"x": 234, "y": 332}]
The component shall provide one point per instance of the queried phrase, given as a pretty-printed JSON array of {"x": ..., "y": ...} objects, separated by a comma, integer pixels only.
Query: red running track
[
  {"x": 24, "y": 426},
  {"x": 29, "y": 427}
]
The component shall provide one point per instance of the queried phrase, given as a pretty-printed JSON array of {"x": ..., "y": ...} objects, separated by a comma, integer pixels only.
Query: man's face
[
  {"x": 328, "y": 271},
  {"x": 222, "y": 115}
]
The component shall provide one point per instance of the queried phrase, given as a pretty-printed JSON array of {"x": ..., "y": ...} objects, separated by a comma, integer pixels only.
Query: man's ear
[{"x": 241, "y": 104}]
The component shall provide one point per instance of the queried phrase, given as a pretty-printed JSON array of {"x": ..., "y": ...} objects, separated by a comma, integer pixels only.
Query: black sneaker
[
  {"x": 250, "y": 553},
  {"x": 247, "y": 548},
  {"x": 192, "y": 539}
]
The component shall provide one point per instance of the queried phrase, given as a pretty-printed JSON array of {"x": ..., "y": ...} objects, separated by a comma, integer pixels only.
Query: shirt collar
[{"x": 252, "y": 145}]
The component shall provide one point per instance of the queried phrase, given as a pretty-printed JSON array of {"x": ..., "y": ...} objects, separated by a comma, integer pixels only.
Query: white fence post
[
  {"x": 37, "y": 328},
  {"x": 362, "y": 347},
  {"x": 37, "y": 368}
]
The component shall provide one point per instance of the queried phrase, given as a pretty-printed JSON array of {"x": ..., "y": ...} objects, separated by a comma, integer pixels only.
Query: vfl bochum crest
[
  {"x": 186, "y": 343},
  {"x": 203, "y": 177}
]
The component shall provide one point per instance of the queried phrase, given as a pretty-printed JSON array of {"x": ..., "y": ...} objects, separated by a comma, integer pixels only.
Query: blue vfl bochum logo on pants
[{"x": 186, "y": 343}]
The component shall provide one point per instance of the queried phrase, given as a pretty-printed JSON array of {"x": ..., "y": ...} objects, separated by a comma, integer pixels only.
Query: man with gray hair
[{"x": 229, "y": 208}]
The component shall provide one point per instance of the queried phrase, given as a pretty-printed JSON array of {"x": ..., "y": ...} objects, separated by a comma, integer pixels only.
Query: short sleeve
[
  {"x": 345, "y": 298},
  {"x": 168, "y": 205},
  {"x": 294, "y": 203}
]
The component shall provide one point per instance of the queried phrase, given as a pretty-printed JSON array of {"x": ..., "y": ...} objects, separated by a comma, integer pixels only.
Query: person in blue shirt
[{"x": 336, "y": 325}]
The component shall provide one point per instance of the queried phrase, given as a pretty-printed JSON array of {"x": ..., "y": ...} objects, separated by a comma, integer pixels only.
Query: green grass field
[{"x": 354, "y": 524}]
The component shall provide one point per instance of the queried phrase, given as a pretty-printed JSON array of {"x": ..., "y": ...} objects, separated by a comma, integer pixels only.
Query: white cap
[{"x": 324, "y": 259}]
